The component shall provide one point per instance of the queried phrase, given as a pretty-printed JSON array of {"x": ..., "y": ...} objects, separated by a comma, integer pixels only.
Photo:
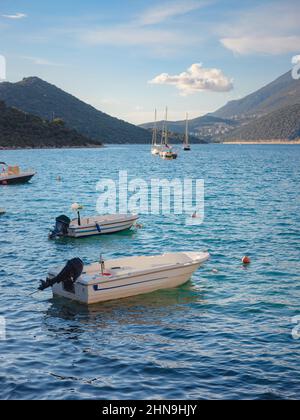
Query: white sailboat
[
  {"x": 155, "y": 147},
  {"x": 166, "y": 152},
  {"x": 186, "y": 143}
]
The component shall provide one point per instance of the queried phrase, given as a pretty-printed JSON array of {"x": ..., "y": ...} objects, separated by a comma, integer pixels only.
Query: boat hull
[
  {"x": 20, "y": 179},
  {"x": 131, "y": 285},
  {"x": 101, "y": 229},
  {"x": 168, "y": 156},
  {"x": 155, "y": 151}
]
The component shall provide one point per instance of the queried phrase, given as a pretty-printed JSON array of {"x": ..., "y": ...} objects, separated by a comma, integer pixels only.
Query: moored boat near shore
[
  {"x": 186, "y": 142},
  {"x": 14, "y": 175},
  {"x": 166, "y": 151},
  {"x": 91, "y": 226},
  {"x": 155, "y": 149},
  {"x": 121, "y": 278}
]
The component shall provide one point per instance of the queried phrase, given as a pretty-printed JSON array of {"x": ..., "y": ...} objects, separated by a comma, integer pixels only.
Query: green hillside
[
  {"x": 283, "y": 124},
  {"x": 22, "y": 130}
]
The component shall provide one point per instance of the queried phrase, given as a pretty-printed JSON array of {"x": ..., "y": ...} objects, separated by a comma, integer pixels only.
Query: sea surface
[{"x": 225, "y": 334}]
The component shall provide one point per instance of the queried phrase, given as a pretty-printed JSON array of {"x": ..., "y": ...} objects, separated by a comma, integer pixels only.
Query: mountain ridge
[
  {"x": 204, "y": 128},
  {"x": 281, "y": 92},
  {"x": 282, "y": 124},
  {"x": 41, "y": 98}
]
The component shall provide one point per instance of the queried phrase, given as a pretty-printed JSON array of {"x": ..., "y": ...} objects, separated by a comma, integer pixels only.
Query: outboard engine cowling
[
  {"x": 61, "y": 227},
  {"x": 71, "y": 272}
]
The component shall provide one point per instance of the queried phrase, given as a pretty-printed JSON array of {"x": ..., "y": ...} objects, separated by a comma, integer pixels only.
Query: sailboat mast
[
  {"x": 187, "y": 130},
  {"x": 162, "y": 133},
  {"x": 154, "y": 136},
  {"x": 166, "y": 127}
]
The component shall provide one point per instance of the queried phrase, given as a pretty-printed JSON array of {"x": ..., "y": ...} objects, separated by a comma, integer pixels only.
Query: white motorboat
[
  {"x": 14, "y": 175},
  {"x": 121, "y": 278},
  {"x": 2, "y": 211},
  {"x": 91, "y": 226}
]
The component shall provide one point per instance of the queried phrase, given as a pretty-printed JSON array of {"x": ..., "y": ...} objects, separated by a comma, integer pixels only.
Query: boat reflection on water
[{"x": 149, "y": 309}]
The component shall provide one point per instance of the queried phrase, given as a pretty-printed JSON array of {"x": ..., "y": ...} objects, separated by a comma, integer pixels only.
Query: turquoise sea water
[{"x": 225, "y": 334}]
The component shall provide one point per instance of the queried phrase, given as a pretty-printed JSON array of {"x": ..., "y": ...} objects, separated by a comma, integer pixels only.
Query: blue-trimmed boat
[
  {"x": 121, "y": 278},
  {"x": 92, "y": 226}
]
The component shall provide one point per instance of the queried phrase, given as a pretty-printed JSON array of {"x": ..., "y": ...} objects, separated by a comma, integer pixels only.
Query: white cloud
[
  {"x": 15, "y": 16},
  {"x": 41, "y": 61},
  {"x": 168, "y": 10},
  {"x": 196, "y": 79},
  {"x": 146, "y": 29},
  {"x": 267, "y": 29},
  {"x": 296, "y": 59},
  {"x": 272, "y": 45}
]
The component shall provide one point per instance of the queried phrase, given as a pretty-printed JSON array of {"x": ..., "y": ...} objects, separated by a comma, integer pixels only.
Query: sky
[{"x": 128, "y": 57}]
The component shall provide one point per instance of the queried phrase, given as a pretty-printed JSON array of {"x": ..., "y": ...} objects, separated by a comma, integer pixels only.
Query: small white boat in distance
[
  {"x": 166, "y": 152},
  {"x": 155, "y": 149},
  {"x": 2, "y": 211},
  {"x": 91, "y": 226},
  {"x": 186, "y": 142},
  {"x": 121, "y": 278}
]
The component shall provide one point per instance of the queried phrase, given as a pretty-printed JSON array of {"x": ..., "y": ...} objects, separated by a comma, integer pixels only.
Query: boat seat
[{"x": 13, "y": 170}]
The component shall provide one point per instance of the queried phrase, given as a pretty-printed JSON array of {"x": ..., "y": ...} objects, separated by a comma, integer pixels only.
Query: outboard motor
[
  {"x": 61, "y": 227},
  {"x": 68, "y": 275}
]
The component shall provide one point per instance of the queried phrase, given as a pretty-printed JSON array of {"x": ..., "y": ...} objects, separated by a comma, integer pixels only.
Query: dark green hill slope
[
  {"x": 283, "y": 124},
  {"x": 22, "y": 130}
]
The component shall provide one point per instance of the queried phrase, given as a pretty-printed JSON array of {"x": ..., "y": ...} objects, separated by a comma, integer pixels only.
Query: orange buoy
[{"x": 246, "y": 260}]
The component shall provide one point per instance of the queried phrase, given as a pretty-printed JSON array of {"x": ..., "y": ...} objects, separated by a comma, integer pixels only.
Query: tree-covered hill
[
  {"x": 21, "y": 130},
  {"x": 283, "y": 124}
]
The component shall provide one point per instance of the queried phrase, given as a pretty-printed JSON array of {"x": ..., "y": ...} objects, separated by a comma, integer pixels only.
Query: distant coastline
[
  {"x": 262, "y": 142},
  {"x": 92, "y": 146}
]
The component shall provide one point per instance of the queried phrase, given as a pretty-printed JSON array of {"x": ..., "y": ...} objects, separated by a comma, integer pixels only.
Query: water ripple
[{"x": 225, "y": 334}]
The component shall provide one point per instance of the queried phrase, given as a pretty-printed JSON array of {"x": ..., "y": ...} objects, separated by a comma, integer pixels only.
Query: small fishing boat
[
  {"x": 2, "y": 211},
  {"x": 186, "y": 142},
  {"x": 91, "y": 226},
  {"x": 121, "y": 278},
  {"x": 14, "y": 175}
]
